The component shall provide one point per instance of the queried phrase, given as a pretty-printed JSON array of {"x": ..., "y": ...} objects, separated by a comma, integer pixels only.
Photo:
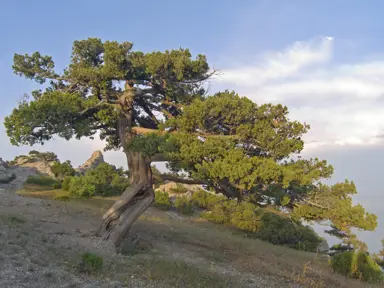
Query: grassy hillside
[{"x": 185, "y": 251}]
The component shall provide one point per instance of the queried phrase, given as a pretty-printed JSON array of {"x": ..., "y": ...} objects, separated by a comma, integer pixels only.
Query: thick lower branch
[{"x": 167, "y": 177}]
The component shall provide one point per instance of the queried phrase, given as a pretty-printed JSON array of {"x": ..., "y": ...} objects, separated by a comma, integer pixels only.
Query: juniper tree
[{"x": 153, "y": 107}]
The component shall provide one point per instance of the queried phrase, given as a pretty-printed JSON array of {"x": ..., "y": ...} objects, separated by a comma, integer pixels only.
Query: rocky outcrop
[
  {"x": 40, "y": 165},
  {"x": 40, "y": 162},
  {"x": 172, "y": 188},
  {"x": 5, "y": 175},
  {"x": 96, "y": 159}
]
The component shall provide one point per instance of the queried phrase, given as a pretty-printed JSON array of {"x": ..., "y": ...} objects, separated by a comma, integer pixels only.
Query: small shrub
[
  {"x": 183, "y": 205},
  {"x": 90, "y": 263},
  {"x": 280, "y": 230},
  {"x": 206, "y": 200},
  {"x": 162, "y": 200},
  {"x": 245, "y": 218},
  {"x": 378, "y": 259},
  {"x": 81, "y": 187},
  {"x": 357, "y": 265},
  {"x": 57, "y": 185},
  {"x": 61, "y": 170},
  {"x": 104, "y": 180},
  {"x": 42, "y": 181},
  {"x": 62, "y": 197},
  {"x": 221, "y": 213},
  {"x": 66, "y": 184},
  {"x": 15, "y": 220}
]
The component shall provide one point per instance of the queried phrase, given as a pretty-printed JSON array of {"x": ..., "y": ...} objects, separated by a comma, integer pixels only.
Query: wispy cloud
[{"x": 343, "y": 103}]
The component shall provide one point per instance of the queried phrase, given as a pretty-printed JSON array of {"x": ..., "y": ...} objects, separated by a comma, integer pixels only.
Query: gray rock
[
  {"x": 323, "y": 247},
  {"x": 5, "y": 175}
]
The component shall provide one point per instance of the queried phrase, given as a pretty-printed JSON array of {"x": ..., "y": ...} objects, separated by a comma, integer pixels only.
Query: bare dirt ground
[{"x": 41, "y": 242}]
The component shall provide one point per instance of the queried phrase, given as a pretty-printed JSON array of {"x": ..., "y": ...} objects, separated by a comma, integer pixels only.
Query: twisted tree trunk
[{"x": 118, "y": 220}]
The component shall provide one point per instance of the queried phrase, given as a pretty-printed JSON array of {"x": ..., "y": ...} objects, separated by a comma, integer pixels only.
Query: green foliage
[
  {"x": 42, "y": 181},
  {"x": 205, "y": 199},
  {"x": 149, "y": 144},
  {"x": 221, "y": 213},
  {"x": 280, "y": 230},
  {"x": 162, "y": 200},
  {"x": 34, "y": 156},
  {"x": 183, "y": 205},
  {"x": 46, "y": 156},
  {"x": 263, "y": 224},
  {"x": 379, "y": 258},
  {"x": 90, "y": 263},
  {"x": 16, "y": 220},
  {"x": 57, "y": 185},
  {"x": 61, "y": 170},
  {"x": 245, "y": 218},
  {"x": 104, "y": 180},
  {"x": 61, "y": 197},
  {"x": 66, "y": 184},
  {"x": 357, "y": 265},
  {"x": 82, "y": 187}
]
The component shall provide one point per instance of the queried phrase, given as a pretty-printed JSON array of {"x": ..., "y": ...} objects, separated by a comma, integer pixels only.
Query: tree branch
[
  {"x": 316, "y": 205},
  {"x": 93, "y": 107},
  {"x": 158, "y": 158},
  {"x": 172, "y": 178}
]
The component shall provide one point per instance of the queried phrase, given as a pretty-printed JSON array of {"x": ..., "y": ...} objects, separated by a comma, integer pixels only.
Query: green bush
[
  {"x": 221, "y": 213},
  {"x": 104, "y": 180},
  {"x": 162, "y": 200},
  {"x": 262, "y": 224},
  {"x": 378, "y": 259},
  {"x": 357, "y": 265},
  {"x": 183, "y": 205},
  {"x": 61, "y": 170},
  {"x": 61, "y": 197},
  {"x": 244, "y": 217},
  {"x": 42, "y": 181},
  {"x": 57, "y": 185},
  {"x": 280, "y": 230},
  {"x": 81, "y": 187},
  {"x": 66, "y": 184},
  {"x": 90, "y": 263},
  {"x": 206, "y": 200}
]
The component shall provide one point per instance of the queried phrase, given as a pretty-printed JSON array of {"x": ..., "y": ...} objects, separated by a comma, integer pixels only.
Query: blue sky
[{"x": 324, "y": 59}]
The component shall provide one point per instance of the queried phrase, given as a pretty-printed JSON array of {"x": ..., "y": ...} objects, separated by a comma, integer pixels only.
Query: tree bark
[{"x": 137, "y": 198}]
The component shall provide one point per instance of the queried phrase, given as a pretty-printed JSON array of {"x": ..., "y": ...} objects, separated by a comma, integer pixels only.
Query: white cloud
[
  {"x": 343, "y": 103},
  {"x": 278, "y": 65}
]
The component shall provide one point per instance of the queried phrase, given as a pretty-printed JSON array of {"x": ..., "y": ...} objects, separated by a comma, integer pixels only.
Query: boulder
[
  {"x": 323, "y": 247},
  {"x": 40, "y": 166},
  {"x": 5, "y": 175},
  {"x": 36, "y": 161}
]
